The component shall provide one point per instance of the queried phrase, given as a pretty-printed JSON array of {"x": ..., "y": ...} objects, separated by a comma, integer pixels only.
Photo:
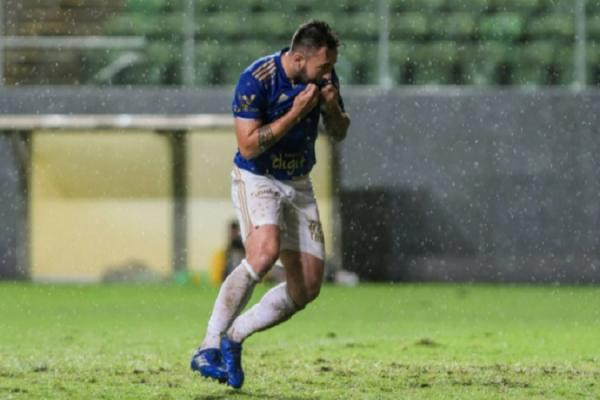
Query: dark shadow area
[
  {"x": 13, "y": 207},
  {"x": 383, "y": 229}
]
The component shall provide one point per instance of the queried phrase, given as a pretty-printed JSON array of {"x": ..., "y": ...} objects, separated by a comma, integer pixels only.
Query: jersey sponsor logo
[
  {"x": 246, "y": 103},
  {"x": 265, "y": 192},
  {"x": 289, "y": 165},
  {"x": 316, "y": 231}
]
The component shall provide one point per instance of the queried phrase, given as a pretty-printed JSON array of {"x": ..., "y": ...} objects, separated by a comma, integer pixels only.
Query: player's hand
[
  {"x": 328, "y": 93},
  {"x": 306, "y": 100}
]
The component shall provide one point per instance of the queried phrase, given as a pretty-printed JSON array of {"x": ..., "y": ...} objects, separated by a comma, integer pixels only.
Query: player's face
[{"x": 317, "y": 64}]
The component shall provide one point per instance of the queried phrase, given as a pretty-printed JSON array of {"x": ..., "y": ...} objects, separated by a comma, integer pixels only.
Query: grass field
[{"x": 372, "y": 342}]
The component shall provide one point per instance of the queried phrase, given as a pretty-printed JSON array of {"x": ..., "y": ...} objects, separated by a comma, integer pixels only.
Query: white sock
[
  {"x": 275, "y": 307},
  {"x": 233, "y": 296}
]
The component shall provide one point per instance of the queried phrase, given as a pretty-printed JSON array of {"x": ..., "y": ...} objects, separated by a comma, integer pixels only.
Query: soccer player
[{"x": 277, "y": 105}]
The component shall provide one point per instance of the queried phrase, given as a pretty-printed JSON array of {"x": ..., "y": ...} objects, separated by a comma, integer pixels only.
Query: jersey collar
[{"x": 280, "y": 69}]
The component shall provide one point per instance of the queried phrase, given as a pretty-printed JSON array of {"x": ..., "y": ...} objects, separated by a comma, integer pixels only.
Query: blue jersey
[{"x": 265, "y": 93}]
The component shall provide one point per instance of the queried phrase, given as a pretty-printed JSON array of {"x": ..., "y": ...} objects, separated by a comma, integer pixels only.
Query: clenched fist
[{"x": 306, "y": 100}]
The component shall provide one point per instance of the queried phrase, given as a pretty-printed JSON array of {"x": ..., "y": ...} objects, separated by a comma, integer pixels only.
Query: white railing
[{"x": 28, "y": 122}]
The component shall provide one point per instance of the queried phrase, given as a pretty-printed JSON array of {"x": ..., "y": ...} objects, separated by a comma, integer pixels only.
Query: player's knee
[
  {"x": 313, "y": 282},
  {"x": 270, "y": 253},
  {"x": 312, "y": 292},
  {"x": 265, "y": 257},
  {"x": 305, "y": 295}
]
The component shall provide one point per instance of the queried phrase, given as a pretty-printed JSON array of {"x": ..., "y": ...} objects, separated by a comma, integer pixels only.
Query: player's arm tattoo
[{"x": 266, "y": 138}]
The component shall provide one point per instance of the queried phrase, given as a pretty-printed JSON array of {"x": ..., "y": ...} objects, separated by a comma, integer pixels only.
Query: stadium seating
[
  {"x": 592, "y": 6},
  {"x": 482, "y": 62},
  {"x": 593, "y": 27},
  {"x": 523, "y": 7},
  {"x": 361, "y": 60},
  {"x": 551, "y": 25},
  {"x": 533, "y": 62},
  {"x": 459, "y": 26},
  {"x": 478, "y": 42},
  {"x": 408, "y": 25},
  {"x": 593, "y": 63},
  {"x": 140, "y": 23},
  {"x": 360, "y": 26},
  {"x": 147, "y": 6},
  {"x": 471, "y": 6},
  {"x": 435, "y": 62},
  {"x": 505, "y": 26},
  {"x": 416, "y": 5}
]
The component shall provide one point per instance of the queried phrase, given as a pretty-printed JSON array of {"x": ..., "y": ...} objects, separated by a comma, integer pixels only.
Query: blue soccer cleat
[
  {"x": 209, "y": 364},
  {"x": 232, "y": 358}
]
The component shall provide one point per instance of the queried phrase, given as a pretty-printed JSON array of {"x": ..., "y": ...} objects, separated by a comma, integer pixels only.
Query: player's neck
[{"x": 288, "y": 68}]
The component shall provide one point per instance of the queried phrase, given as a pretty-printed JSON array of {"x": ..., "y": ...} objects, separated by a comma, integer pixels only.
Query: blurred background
[{"x": 472, "y": 155}]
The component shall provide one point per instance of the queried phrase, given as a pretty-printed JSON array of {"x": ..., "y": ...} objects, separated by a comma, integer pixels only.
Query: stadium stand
[{"x": 472, "y": 42}]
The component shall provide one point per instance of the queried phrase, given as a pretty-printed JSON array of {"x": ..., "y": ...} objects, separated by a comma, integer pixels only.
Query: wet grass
[{"x": 371, "y": 342}]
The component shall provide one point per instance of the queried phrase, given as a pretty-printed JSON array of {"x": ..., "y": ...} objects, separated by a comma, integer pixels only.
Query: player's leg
[
  {"x": 273, "y": 308},
  {"x": 261, "y": 252},
  {"x": 302, "y": 255},
  {"x": 304, "y": 276},
  {"x": 262, "y": 248},
  {"x": 303, "y": 247}
]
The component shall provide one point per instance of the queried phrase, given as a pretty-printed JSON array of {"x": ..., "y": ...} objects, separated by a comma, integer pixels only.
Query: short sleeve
[{"x": 249, "y": 98}]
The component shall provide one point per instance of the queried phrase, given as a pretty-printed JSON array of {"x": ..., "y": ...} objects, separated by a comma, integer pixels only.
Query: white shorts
[{"x": 264, "y": 200}]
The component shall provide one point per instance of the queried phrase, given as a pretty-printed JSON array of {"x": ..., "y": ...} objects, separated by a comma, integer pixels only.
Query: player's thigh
[
  {"x": 256, "y": 200},
  {"x": 304, "y": 275},
  {"x": 262, "y": 247},
  {"x": 301, "y": 225}
]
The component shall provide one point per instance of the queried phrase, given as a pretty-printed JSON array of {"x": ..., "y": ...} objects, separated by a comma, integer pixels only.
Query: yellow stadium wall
[{"x": 102, "y": 200}]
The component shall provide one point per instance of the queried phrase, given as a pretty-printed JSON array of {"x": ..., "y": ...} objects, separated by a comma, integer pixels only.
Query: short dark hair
[{"x": 313, "y": 35}]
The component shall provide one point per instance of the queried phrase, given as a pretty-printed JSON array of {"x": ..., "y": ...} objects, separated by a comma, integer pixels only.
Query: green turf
[{"x": 371, "y": 342}]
